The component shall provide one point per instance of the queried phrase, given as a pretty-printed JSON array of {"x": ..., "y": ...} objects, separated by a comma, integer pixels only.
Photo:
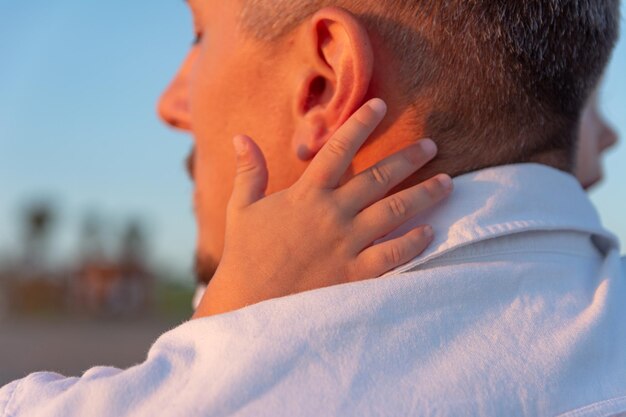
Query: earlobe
[
  {"x": 336, "y": 74},
  {"x": 310, "y": 135}
]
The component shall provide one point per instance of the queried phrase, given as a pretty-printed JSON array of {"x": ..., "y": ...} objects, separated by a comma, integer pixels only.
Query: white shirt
[{"x": 517, "y": 309}]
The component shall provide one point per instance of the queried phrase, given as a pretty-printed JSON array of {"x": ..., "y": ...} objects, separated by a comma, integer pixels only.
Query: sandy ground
[{"x": 70, "y": 345}]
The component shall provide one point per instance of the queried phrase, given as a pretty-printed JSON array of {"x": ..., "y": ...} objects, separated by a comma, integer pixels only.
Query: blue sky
[
  {"x": 78, "y": 85},
  {"x": 79, "y": 82}
]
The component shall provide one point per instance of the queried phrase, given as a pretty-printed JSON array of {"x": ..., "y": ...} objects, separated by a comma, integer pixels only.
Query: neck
[{"x": 456, "y": 156}]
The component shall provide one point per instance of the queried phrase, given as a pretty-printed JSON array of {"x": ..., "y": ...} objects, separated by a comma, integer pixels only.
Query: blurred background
[{"x": 96, "y": 227}]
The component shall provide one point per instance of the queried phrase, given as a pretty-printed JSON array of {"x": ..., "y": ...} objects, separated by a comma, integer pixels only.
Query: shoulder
[
  {"x": 6, "y": 394},
  {"x": 108, "y": 391}
]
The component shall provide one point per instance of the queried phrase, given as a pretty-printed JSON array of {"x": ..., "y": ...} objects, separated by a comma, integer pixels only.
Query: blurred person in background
[
  {"x": 514, "y": 309},
  {"x": 596, "y": 136}
]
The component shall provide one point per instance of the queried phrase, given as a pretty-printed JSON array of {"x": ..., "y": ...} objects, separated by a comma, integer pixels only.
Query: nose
[{"x": 173, "y": 107}]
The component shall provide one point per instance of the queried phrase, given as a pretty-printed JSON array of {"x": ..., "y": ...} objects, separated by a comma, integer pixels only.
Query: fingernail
[
  {"x": 445, "y": 181},
  {"x": 428, "y": 147},
  {"x": 241, "y": 145},
  {"x": 378, "y": 105}
]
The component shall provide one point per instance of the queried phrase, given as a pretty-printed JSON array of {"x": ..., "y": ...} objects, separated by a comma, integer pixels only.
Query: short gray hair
[{"x": 491, "y": 69}]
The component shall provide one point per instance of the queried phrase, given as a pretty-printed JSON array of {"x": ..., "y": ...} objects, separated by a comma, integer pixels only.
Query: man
[{"x": 516, "y": 309}]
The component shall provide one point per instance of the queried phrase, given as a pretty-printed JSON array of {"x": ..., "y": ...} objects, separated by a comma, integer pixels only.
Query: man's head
[{"x": 492, "y": 82}]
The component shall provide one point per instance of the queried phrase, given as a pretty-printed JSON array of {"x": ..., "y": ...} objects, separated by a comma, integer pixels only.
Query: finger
[
  {"x": 387, "y": 215},
  {"x": 378, "y": 259},
  {"x": 332, "y": 161},
  {"x": 251, "y": 177},
  {"x": 372, "y": 184}
]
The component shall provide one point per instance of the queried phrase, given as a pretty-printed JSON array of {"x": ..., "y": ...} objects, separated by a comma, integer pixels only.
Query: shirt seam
[
  {"x": 498, "y": 230},
  {"x": 600, "y": 408},
  {"x": 443, "y": 259}
]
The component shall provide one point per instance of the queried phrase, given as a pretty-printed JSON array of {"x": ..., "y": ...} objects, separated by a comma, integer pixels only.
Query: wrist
[{"x": 221, "y": 296}]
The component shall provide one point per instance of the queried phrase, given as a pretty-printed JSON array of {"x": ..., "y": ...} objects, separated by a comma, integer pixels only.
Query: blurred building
[
  {"x": 123, "y": 285},
  {"x": 96, "y": 283},
  {"x": 29, "y": 283}
]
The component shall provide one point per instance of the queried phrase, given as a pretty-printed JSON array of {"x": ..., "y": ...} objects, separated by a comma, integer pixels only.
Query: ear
[{"x": 335, "y": 74}]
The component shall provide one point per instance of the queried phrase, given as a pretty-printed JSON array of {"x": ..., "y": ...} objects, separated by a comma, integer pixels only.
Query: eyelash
[{"x": 197, "y": 39}]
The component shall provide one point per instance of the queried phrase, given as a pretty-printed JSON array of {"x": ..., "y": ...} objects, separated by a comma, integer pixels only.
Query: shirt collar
[
  {"x": 506, "y": 200},
  {"x": 500, "y": 201}
]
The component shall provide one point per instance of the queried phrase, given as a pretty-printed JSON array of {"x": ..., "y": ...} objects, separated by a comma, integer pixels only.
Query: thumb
[{"x": 251, "y": 177}]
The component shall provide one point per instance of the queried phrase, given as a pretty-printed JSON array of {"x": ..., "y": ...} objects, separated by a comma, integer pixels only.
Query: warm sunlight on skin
[
  {"x": 349, "y": 218},
  {"x": 221, "y": 81},
  {"x": 222, "y": 90}
]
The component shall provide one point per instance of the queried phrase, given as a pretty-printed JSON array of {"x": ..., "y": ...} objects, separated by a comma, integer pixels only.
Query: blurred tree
[
  {"x": 135, "y": 288},
  {"x": 134, "y": 244},
  {"x": 39, "y": 219},
  {"x": 90, "y": 241}
]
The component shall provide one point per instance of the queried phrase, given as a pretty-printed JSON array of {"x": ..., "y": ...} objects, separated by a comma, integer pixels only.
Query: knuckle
[
  {"x": 433, "y": 189},
  {"x": 438, "y": 187},
  {"x": 246, "y": 167},
  {"x": 244, "y": 170},
  {"x": 394, "y": 255},
  {"x": 421, "y": 239},
  {"x": 318, "y": 178},
  {"x": 360, "y": 122},
  {"x": 379, "y": 176},
  {"x": 397, "y": 207},
  {"x": 365, "y": 117},
  {"x": 332, "y": 218},
  {"x": 338, "y": 146},
  {"x": 297, "y": 194},
  {"x": 415, "y": 156}
]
